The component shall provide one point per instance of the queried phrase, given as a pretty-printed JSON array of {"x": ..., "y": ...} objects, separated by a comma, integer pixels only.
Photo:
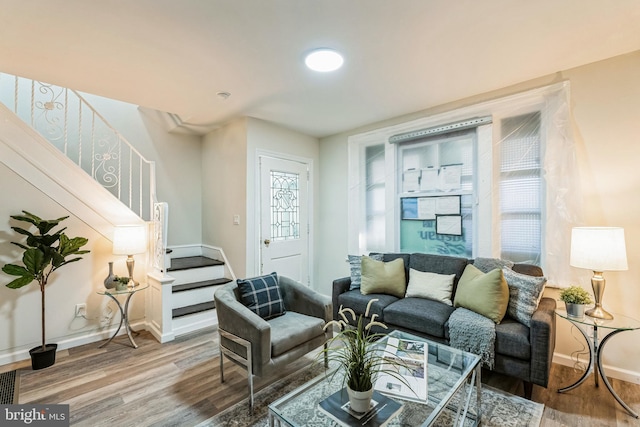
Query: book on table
[
  {"x": 381, "y": 411},
  {"x": 408, "y": 361}
]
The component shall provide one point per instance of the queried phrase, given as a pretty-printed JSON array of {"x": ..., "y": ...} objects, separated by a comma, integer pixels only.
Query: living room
[{"x": 207, "y": 180}]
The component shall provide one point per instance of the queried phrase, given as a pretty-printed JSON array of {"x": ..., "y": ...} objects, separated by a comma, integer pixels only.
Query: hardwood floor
[{"x": 178, "y": 384}]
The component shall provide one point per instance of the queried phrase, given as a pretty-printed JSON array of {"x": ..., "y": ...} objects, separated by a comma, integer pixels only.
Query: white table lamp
[
  {"x": 129, "y": 240},
  {"x": 598, "y": 249}
]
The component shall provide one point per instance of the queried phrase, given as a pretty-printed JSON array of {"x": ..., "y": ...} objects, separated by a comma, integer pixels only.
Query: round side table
[
  {"x": 618, "y": 324},
  {"x": 124, "y": 310}
]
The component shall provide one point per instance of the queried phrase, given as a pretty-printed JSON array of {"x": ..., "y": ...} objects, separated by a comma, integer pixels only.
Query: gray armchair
[{"x": 262, "y": 346}]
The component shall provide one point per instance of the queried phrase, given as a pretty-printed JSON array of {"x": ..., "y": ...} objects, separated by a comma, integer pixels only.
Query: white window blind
[
  {"x": 375, "y": 197},
  {"x": 521, "y": 190}
]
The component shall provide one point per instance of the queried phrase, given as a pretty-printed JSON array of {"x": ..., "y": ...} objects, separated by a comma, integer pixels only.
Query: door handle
[{"x": 266, "y": 242}]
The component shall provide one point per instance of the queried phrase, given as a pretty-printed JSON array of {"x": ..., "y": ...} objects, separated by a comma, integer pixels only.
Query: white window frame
[{"x": 486, "y": 212}]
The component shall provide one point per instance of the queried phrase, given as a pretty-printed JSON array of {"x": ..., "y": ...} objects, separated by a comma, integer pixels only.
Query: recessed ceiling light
[{"x": 324, "y": 60}]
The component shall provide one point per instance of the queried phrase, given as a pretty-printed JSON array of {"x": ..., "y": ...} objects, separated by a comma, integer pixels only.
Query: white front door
[{"x": 284, "y": 218}]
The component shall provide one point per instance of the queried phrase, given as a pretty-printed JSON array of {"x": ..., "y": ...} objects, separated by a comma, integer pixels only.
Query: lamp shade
[
  {"x": 598, "y": 248},
  {"x": 129, "y": 240}
]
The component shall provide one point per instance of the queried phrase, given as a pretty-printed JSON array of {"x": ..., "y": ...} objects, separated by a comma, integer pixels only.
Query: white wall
[
  {"x": 178, "y": 165},
  {"x": 605, "y": 103},
  {"x": 72, "y": 284}
]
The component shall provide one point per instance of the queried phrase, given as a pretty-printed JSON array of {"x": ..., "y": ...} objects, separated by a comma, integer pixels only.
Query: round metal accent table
[
  {"x": 618, "y": 324},
  {"x": 124, "y": 310}
]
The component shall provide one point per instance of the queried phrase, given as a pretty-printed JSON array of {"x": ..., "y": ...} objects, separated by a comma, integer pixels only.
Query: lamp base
[{"x": 599, "y": 313}]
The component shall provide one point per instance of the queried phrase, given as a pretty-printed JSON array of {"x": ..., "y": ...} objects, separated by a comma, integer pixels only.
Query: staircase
[
  {"x": 196, "y": 279},
  {"x": 52, "y": 137}
]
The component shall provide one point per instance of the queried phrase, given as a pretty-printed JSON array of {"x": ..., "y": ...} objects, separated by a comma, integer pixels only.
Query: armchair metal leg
[
  {"x": 221, "y": 365},
  {"x": 238, "y": 359}
]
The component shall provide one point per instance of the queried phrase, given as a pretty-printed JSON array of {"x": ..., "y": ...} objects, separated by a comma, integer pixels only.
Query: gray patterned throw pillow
[
  {"x": 487, "y": 264},
  {"x": 355, "y": 263},
  {"x": 524, "y": 294}
]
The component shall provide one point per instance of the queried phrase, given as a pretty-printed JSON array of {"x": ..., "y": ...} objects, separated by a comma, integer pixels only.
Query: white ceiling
[{"x": 401, "y": 56}]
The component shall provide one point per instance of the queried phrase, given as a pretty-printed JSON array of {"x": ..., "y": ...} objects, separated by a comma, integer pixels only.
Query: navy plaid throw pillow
[{"x": 262, "y": 295}]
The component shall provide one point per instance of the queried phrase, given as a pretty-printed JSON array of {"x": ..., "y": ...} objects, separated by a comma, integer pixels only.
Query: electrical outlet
[{"x": 81, "y": 310}]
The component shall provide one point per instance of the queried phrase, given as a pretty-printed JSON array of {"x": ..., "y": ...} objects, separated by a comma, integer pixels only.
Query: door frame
[{"x": 257, "y": 238}]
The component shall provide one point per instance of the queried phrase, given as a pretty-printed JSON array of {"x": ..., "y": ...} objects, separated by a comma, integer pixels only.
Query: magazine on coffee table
[
  {"x": 382, "y": 410},
  {"x": 412, "y": 355}
]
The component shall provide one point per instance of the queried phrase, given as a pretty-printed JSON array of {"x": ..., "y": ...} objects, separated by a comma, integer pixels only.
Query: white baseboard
[
  {"x": 162, "y": 338},
  {"x": 89, "y": 337},
  {"x": 611, "y": 371}
]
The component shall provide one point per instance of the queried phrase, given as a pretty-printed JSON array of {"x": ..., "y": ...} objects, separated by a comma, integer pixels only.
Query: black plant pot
[{"x": 41, "y": 359}]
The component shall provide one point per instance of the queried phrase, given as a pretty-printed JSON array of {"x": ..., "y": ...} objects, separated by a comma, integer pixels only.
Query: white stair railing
[{"x": 71, "y": 124}]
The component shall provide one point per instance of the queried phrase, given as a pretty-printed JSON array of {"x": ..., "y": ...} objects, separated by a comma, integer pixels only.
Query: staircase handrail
[{"x": 113, "y": 161}]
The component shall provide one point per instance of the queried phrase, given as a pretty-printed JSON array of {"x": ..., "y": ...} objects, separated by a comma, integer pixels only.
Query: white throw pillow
[{"x": 423, "y": 284}]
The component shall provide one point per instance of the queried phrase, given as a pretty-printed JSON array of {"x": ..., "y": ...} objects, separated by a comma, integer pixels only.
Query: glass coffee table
[{"x": 451, "y": 376}]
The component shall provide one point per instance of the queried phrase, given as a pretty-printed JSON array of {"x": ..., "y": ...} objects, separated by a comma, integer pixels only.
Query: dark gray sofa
[{"x": 520, "y": 351}]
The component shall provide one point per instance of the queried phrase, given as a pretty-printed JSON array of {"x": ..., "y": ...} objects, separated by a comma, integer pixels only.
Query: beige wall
[
  {"x": 605, "y": 103},
  {"x": 224, "y": 191}
]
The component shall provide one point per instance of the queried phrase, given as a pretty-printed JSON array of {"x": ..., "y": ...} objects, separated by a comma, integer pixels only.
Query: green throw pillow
[
  {"x": 486, "y": 294},
  {"x": 380, "y": 277}
]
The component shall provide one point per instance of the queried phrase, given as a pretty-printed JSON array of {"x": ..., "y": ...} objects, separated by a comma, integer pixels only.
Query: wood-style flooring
[{"x": 178, "y": 384}]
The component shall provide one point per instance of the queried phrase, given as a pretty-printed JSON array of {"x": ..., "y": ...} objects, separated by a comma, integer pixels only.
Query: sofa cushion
[
  {"x": 512, "y": 339},
  {"x": 439, "y": 264},
  {"x": 379, "y": 277},
  {"x": 487, "y": 264},
  {"x": 524, "y": 294},
  {"x": 424, "y": 284},
  {"x": 483, "y": 293},
  {"x": 358, "y": 302},
  {"x": 355, "y": 265},
  {"x": 293, "y": 329},
  {"x": 418, "y": 314},
  {"x": 262, "y": 295}
]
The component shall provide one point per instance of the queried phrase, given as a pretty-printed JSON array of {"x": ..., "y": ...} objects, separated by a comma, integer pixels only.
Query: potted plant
[
  {"x": 44, "y": 252},
  {"x": 359, "y": 356},
  {"x": 575, "y": 299}
]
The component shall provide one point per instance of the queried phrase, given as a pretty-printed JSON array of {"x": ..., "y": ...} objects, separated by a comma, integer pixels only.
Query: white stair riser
[
  {"x": 201, "y": 274},
  {"x": 193, "y": 322},
  {"x": 191, "y": 297}
]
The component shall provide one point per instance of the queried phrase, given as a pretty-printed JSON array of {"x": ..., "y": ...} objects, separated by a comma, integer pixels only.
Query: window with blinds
[
  {"x": 375, "y": 197},
  {"x": 521, "y": 189}
]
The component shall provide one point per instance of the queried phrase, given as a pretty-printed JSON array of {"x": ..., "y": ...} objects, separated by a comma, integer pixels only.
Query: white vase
[{"x": 360, "y": 401}]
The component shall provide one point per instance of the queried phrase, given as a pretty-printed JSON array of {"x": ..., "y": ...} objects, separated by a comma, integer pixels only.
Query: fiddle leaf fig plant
[{"x": 44, "y": 252}]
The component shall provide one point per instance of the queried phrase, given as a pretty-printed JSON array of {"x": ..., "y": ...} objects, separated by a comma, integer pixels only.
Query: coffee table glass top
[{"x": 447, "y": 371}]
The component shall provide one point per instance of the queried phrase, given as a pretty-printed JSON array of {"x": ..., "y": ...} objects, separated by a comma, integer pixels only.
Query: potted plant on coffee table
[
  {"x": 43, "y": 253},
  {"x": 575, "y": 299},
  {"x": 357, "y": 353}
]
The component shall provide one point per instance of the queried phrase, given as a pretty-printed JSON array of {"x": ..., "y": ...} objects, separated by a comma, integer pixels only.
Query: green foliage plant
[
  {"x": 357, "y": 353},
  {"x": 44, "y": 252},
  {"x": 575, "y": 295}
]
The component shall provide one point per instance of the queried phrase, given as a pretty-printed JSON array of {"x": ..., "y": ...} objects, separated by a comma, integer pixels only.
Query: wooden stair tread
[
  {"x": 193, "y": 262},
  {"x": 198, "y": 285},
  {"x": 193, "y": 309}
]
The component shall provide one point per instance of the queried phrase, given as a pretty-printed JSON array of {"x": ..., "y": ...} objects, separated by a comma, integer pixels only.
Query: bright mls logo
[{"x": 34, "y": 415}]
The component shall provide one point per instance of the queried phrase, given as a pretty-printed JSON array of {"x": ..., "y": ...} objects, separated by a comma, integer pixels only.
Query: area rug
[
  {"x": 8, "y": 386},
  {"x": 499, "y": 409}
]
